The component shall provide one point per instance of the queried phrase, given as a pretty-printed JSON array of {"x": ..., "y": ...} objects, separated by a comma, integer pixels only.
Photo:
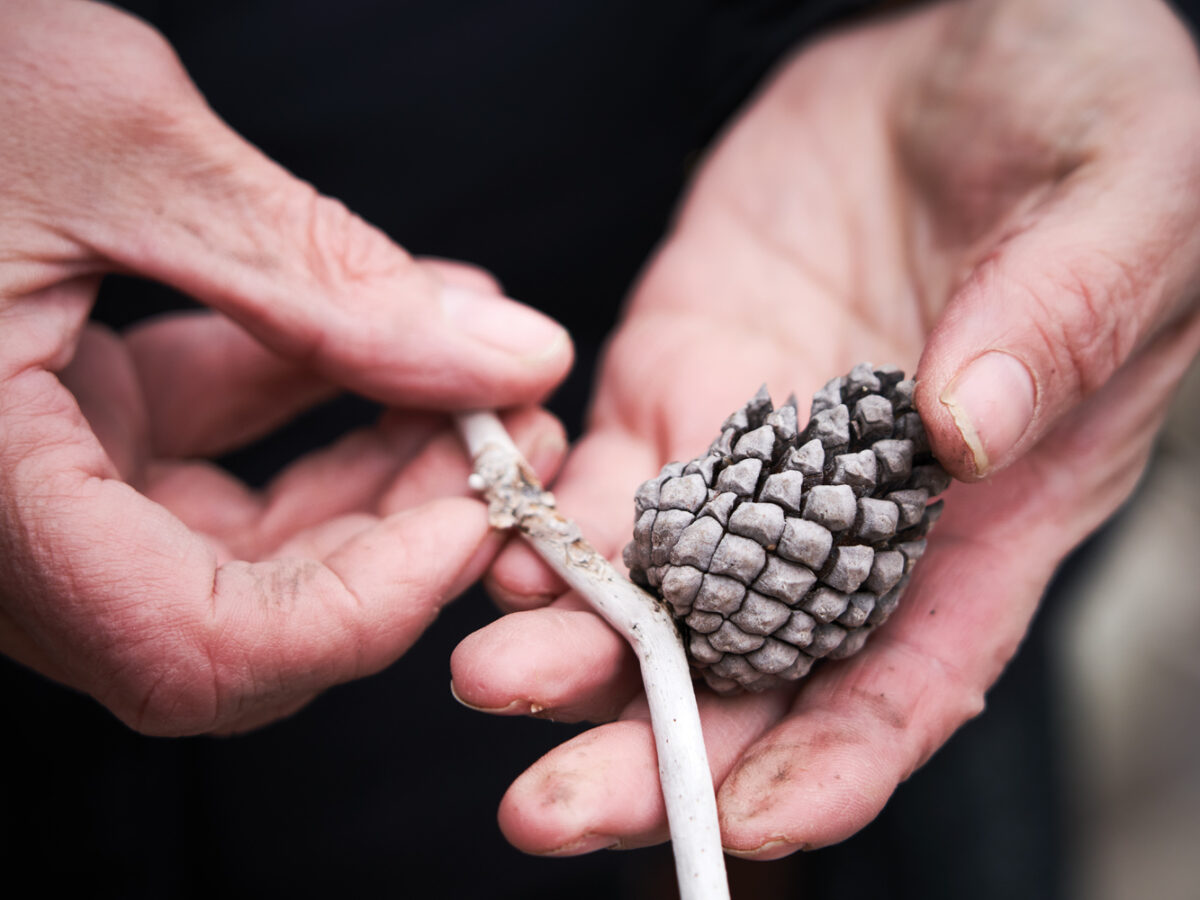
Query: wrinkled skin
[
  {"x": 1012, "y": 176},
  {"x": 131, "y": 568}
]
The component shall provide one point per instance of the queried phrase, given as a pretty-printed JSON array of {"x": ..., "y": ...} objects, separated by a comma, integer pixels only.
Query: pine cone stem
[{"x": 516, "y": 500}]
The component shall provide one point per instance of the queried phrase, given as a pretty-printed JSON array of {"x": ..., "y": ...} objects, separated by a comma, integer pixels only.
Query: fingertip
[
  {"x": 991, "y": 401},
  {"x": 955, "y": 453},
  {"x": 541, "y": 439},
  {"x": 472, "y": 664},
  {"x": 564, "y": 665},
  {"x": 773, "y": 849},
  {"x": 800, "y": 787},
  {"x": 514, "y": 601},
  {"x": 514, "y": 708},
  {"x": 539, "y": 347},
  {"x": 439, "y": 548},
  {"x": 209, "y": 386},
  {"x": 976, "y": 405},
  {"x": 575, "y": 799},
  {"x": 520, "y": 580},
  {"x": 588, "y": 843}
]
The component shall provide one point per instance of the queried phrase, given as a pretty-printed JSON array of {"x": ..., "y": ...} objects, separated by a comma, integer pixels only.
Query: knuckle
[
  {"x": 355, "y": 272},
  {"x": 962, "y": 702},
  {"x": 1088, "y": 316},
  {"x": 342, "y": 250}
]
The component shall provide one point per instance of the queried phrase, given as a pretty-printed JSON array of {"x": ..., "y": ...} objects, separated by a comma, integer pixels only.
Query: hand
[
  {"x": 1006, "y": 191},
  {"x": 129, "y": 568}
]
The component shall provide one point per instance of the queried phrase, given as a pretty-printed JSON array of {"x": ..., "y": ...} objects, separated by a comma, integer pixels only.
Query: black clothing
[{"x": 549, "y": 142}]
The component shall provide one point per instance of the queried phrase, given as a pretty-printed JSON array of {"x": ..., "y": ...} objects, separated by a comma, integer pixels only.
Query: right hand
[
  {"x": 1011, "y": 180},
  {"x": 174, "y": 595}
]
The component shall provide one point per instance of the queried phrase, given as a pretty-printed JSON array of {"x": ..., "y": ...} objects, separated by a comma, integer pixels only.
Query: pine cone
[{"x": 781, "y": 546}]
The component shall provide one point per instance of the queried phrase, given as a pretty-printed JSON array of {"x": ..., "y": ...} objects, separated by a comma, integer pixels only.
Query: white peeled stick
[{"x": 517, "y": 500}]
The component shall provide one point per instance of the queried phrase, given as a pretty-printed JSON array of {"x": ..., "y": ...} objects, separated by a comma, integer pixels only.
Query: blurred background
[
  {"x": 1125, "y": 648},
  {"x": 1080, "y": 781}
]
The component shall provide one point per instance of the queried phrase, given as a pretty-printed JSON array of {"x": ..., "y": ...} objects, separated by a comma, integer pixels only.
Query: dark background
[{"x": 547, "y": 141}]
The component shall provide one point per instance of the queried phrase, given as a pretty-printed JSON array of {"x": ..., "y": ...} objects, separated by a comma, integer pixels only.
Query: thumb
[
  {"x": 183, "y": 199},
  {"x": 1051, "y": 315}
]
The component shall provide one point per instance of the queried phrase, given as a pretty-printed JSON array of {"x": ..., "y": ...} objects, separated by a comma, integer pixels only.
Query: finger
[
  {"x": 601, "y": 789},
  {"x": 560, "y": 664},
  {"x": 352, "y": 475},
  {"x": 105, "y": 384},
  {"x": 863, "y": 725},
  {"x": 209, "y": 387},
  {"x": 42, "y": 329},
  {"x": 188, "y": 202},
  {"x": 403, "y": 462},
  {"x": 290, "y": 626},
  {"x": 207, "y": 500},
  {"x": 322, "y": 539},
  {"x": 210, "y": 501},
  {"x": 348, "y": 476},
  {"x": 520, "y": 579},
  {"x": 595, "y": 490},
  {"x": 1050, "y": 315}
]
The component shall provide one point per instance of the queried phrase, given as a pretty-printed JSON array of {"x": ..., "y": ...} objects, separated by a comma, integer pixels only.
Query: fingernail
[
  {"x": 503, "y": 323},
  {"x": 516, "y": 707},
  {"x": 501, "y": 710},
  {"x": 773, "y": 849},
  {"x": 992, "y": 403},
  {"x": 588, "y": 843},
  {"x": 547, "y": 449}
]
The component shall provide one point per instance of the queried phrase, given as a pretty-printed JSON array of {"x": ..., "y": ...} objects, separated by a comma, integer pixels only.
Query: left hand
[
  {"x": 1012, "y": 184},
  {"x": 130, "y": 568}
]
